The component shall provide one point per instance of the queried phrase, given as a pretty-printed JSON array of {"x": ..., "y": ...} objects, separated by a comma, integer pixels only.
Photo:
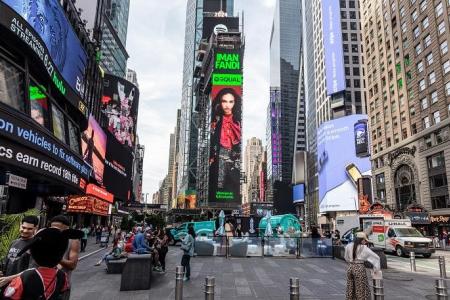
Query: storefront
[
  {"x": 88, "y": 210},
  {"x": 440, "y": 224}
]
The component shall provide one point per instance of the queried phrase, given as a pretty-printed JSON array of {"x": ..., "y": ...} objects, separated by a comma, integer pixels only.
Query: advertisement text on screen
[
  {"x": 227, "y": 61},
  {"x": 227, "y": 79}
]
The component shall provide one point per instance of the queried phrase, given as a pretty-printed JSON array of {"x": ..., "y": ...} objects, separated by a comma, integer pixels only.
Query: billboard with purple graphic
[
  {"x": 332, "y": 43},
  {"x": 338, "y": 164}
]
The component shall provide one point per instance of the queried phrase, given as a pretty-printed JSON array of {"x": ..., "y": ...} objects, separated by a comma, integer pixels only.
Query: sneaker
[
  {"x": 186, "y": 279},
  {"x": 97, "y": 264}
]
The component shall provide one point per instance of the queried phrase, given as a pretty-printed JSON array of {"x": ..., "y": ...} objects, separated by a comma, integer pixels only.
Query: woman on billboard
[{"x": 226, "y": 140}]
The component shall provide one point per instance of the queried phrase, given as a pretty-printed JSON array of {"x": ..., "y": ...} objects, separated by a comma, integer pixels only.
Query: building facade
[
  {"x": 408, "y": 83},
  {"x": 252, "y": 156},
  {"x": 132, "y": 77}
]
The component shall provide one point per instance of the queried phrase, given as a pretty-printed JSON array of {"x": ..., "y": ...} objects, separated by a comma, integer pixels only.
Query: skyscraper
[
  {"x": 285, "y": 49},
  {"x": 114, "y": 55},
  {"x": 187, "y": 147},
  {"x": 132, "y": 77},
  {"x": 252, "y": 156},
  {"x": 408, "y": 83}
]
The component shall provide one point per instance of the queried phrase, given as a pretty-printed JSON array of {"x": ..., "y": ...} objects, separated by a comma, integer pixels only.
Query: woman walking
[
  {"x": 356, "y": 254},
  {"x": 163, "y": 248},
  {"x": 187, "y": 245}
]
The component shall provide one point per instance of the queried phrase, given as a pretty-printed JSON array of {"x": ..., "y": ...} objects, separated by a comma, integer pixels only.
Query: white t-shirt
[{"x": 363, "y": 253}]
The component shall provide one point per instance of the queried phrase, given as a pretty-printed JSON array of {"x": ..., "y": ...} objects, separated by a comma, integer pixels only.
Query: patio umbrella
[
  {"x": 268, "y": 231},
  {"x": 221, "y": 229}
]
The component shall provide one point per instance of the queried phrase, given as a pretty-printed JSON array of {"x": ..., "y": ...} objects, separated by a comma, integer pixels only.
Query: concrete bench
[
  {"x": 137, "y": 273},
  {"x": 115, "y": 266}
]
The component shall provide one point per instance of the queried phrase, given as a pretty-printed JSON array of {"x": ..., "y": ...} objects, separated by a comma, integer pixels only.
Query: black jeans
[
  {"x": 162, "y": 257},
  {"x": 185, "y": 260},
  {"x": 83, "y": 244}
]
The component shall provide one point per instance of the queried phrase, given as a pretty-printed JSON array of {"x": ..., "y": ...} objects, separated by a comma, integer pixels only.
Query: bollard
[
  {"x": 378, "y": 289},
  {"x": 179, "y": 274},
  {"x": 412, "y": 261},
  {"x": 441, "y": 289},
  {"x": 442, "y": 269},
  {"x": 209, "y": 287},
  {"x": 294, "y": 288}
]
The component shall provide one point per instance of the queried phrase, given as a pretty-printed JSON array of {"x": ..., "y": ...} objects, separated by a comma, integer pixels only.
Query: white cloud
[{"x": 156, "y": 45}]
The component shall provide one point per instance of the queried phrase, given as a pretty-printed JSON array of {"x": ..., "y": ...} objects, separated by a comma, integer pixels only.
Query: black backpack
[{"x": 33, "y": 289}]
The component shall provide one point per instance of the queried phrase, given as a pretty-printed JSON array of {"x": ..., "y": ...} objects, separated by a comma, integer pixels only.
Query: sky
[{"x": 155, "y": 44}]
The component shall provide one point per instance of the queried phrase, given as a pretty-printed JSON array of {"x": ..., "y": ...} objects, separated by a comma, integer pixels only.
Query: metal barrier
[
  {"x": 441, "y": 289},
  {"x": 412, "y": 261},
  {"x": 179, "y": 274},
  {"x": 442, "y": 270},
  {"x": 378, "y": 289},
  {"x": 294, "y": 288},
  {"x": 209, "y": 287},
  {"x": 255, "y": 246}
]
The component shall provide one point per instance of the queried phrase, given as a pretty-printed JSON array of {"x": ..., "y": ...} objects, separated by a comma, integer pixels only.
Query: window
[
  {"x": 441, "y": 27},
  {"x": 354, "y": 37},
  {"x": 58, "y": 124},
  {"x": 351, "y": 4},
  {"x": 444, "y": 47},
  {"x": 428, "y": 141},
  {"x": 431, "y": 78},
  {"x": 416, "y": 31},
  {"x": 420, "y": 67},
  {"x": 436, "y": 117},
  {"x": 430, "y": 58},
  {"x": 436, "y": 160},
  {"x": 434, "y": 97},
  {"x": 438, "y": 9},
  {"x": 446, "y": 66},
  {"x": 352, "y": 15},
  {"x": 74, "y": 137},
  {"x": 342, "y": 2},
  {"x": 426, "y": 122},
  {"x": 418, "y": 49},
  {"x": 425, "y": 23},
  {"x": 344, "y": 36},
  {"x": 353, "y": 26},
  {"x": 423, "y": 5},
  {"x": 355, "y": 60},
  {"x": 356, "y": 71},
  {"x": 422, "y": 85},
  {"x": 447, "y": 88},
  {"x": 414, "y": 15},
  {"x": 403, "y": 27},
  {"x": 38, "y": 104},
  {"x": 424, "y": 103},
  {"x": 427, "y": 41},
  {"x": 345, "y": 47},
  {"x": 344, "y": 25},
  {"x": 355, "y": 48},
  {"x": 438, "y": 181},
  {"x": 12, "y": 86},
  {"x": 343, "y": 14},
  {"x": 439, "y": 201}
]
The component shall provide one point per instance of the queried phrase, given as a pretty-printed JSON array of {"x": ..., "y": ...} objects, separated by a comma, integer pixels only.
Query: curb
[{"x": 92, "y": 253}]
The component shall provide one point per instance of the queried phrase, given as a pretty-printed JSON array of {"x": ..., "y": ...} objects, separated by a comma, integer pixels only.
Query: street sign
[{"x": 16, "y": 181}]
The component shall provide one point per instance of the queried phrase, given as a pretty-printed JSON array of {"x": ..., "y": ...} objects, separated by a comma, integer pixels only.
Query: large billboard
[
  {"x": 93, "y": 147},
  {"x": 332, "y": 44},
  {"x": 219, "y": 24},
  {"x": 298, "y": 193},
  {"x": 226, "y": 130},
  {"x": 120, "y": 103},
  {"x": 338, "y": 164},
  {"x": 43, "y": 26}
]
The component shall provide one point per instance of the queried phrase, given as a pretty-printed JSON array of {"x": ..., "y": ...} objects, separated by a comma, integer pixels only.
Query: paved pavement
[{"x": 249, "y": 278}]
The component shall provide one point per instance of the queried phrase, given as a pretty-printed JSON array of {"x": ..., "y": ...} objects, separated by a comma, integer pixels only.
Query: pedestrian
[
  {"x": 140, "y": 245},
  {"x": 116, "y": 253},
  {"x": 238, "y": 230},
  {"x": 98, "y": 234},
  {"x": 187, "y": 245},
  {"x": 45, "y": 281},
  {"x": 70, "y": 258},
  {"x": 315, "y": 237},
  {"x": 92, "y": 232},
  {"x": 164, "y": 240},
  {"x": 14, "y": 263},
  {"x": 84, "y": 239},
  {"x": 356, "y": 253}
]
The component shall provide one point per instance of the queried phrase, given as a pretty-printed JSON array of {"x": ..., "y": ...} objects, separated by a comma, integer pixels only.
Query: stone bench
[
  {"x": 137, "y": 272},
  {"x": 115, "y": 266}
]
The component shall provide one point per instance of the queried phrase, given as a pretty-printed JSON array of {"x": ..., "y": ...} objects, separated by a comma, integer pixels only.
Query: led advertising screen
[
  {"x": 219, "y": 24},
  {"x": 118, "y": 168},
  {"x": 332, "y": 44},
  {"x": 44, "y": 27},
  {"x": 226, "y": 131},
  {"x": 120, "y": 103},
  {"x": 93, "y": 147},
  {"x": 361, "y": 139},
  {"x": 338, "y": 165},
  {"x": 299, "y": 193}
]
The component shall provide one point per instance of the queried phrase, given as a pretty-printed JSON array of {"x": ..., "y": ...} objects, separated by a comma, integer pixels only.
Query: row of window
[{"x": 42, "y": 108}]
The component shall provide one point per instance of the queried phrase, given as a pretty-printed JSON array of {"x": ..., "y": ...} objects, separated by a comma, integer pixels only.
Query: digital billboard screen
[
  {"x": 50, "y": 35},
  {"x": 299, "y": 193},
  {"x": 338, "y": 165},
  {"x": 361, "y": 139},
  {"x": 332, "y": 44},
  {"x": 120, "y": 102},
  {"x": 226, "y": 130},
  {"x": 118, "y": 168},
  {"x": 219, "y": 24},
  {"x": 93, "y": 147}
]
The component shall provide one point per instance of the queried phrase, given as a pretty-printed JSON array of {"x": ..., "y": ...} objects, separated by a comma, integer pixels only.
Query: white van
[{"x": 398, "y": 236}]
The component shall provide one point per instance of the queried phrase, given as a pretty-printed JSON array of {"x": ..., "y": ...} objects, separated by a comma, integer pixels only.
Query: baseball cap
[{"x": 361, "y": 235}]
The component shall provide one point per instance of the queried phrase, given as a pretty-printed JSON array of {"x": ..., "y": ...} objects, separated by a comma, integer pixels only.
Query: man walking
[{"x": 84, "y": 238}]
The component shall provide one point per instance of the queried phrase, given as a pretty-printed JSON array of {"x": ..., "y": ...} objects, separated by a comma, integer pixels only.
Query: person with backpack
[{"x": 187, "y": 245}]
